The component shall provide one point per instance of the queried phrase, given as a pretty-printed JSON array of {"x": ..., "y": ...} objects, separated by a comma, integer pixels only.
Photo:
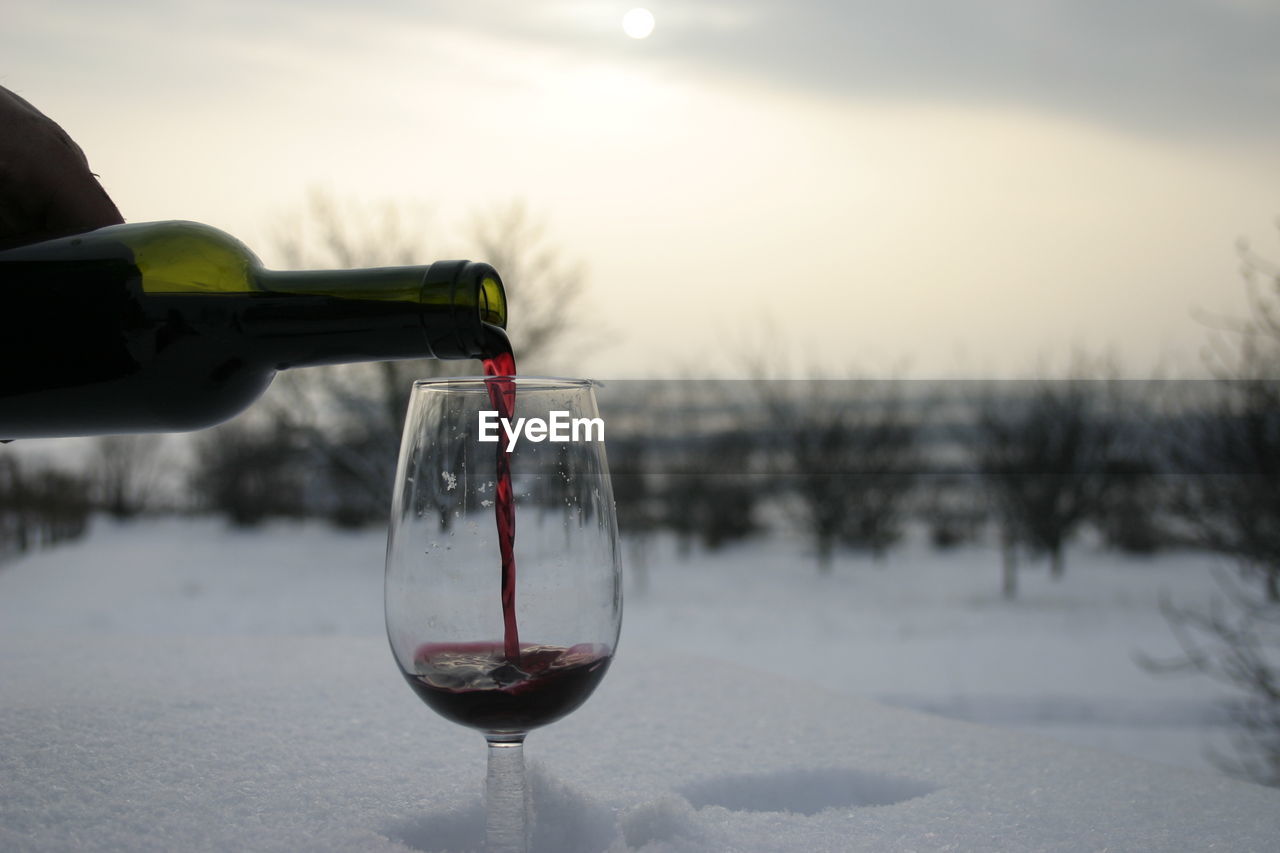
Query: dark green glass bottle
[{"x": 170, "y": 326}]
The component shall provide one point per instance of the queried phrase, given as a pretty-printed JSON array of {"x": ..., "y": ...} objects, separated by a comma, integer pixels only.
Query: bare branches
[
  {"x": 1043, "y": 453},
  {"x": 1231, "y": 450},
  {"x": 346, "y": 419},
  {"x": 846, "y": 453},
  {"x": 345, "y": 234},
  {"x": 1234, "y": 640},
  {"x": 1261, "y": 275},
  {"x": 1230, "y": 446},
  {"x": 39, "y": 506},
  {"x": 1249, "y": 347},
  {"x": 544, "y": 290},
  {"x": 124, "y": 472}
]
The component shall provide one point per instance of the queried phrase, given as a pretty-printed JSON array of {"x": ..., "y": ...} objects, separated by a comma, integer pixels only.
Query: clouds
[
  {"x": 1164, "y": 66},
  {"x": 1172, "y": 65}
]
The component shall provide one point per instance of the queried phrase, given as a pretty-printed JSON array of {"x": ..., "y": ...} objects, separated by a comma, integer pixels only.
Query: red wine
[
  {"x": 481, "y": 686},
  {"x": 500, "y": 367},
  {"x": 168, "y": 326}
]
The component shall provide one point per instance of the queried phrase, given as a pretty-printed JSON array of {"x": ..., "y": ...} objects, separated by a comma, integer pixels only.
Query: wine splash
[{"x": 500, "y": 368}]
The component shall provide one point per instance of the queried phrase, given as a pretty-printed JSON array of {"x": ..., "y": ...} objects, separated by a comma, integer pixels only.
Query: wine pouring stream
[{"x": 499, "y": 366}]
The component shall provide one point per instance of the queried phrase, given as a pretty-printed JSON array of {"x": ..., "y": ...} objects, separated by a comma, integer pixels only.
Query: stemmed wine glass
[{"x": 498, "y": 628}]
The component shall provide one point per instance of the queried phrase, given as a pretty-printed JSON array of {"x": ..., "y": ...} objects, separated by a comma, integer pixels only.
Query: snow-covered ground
[
  {"x": 924, "y": 628},
  {"x": 172, "y": 684}
]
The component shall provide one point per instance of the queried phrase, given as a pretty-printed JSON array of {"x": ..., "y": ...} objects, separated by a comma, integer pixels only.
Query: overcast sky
[{"x": 897, "y": 186}]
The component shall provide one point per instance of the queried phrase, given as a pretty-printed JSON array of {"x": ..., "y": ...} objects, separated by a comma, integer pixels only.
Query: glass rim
[{"x": 461, "y": 384}]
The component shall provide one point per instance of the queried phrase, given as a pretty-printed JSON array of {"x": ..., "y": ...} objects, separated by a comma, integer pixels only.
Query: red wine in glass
[{"x": 478, "y": 685}]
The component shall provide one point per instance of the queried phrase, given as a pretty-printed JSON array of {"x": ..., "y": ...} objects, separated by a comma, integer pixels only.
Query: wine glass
[{"x": 498, "y": 628}]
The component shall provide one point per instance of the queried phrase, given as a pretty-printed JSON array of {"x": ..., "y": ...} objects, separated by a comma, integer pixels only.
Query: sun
[{"x": 638, "y": 23}]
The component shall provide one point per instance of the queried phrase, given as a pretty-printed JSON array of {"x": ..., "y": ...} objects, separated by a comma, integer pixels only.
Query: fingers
[{"x": 46, "y": 188}]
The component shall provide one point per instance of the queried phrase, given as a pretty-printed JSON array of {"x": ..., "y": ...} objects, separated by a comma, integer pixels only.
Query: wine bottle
[{"x": 172, "y": 326}]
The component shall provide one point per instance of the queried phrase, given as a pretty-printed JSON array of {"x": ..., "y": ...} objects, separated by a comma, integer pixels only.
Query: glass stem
[{"x": 508, "y": 813}]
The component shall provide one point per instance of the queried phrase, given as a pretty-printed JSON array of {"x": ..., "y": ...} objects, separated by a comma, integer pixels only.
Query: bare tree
[
  {"x": 1235, "y": 640},
  {"x": 14, "y": 508},
  {"x": 251, "y": 470},
  {"x": 635, "y": 413},
  {"x": 1042, "y": 450},
  {"x": 544, "y": 290},
  {"x": 1229, "y": 453},
  {"x": 332, "y": 234},
  {"x": 846, "y": 454},
  {"x": 39, "y": 505},
  {"x": 1227, "y": 444},
  {"x": 124, "y": 472},
  {"x": 1131, "y": 515},
  {"x": 707, "y": 488},
  {"x": 709, "y": 491},
  {"x": 350, "y": 416}
]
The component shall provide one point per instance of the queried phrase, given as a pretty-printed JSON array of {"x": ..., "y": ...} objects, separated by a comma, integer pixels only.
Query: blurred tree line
[{"x": 846, "y": 465}]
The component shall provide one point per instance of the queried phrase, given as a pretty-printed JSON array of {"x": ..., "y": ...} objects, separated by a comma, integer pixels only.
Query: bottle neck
[
  {"x": 384, "y": 284},
  {"x": 336, "y": 316}
]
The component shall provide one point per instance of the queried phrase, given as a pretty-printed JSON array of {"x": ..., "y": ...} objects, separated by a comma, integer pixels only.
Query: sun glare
[{"x": 638, "y": 23}]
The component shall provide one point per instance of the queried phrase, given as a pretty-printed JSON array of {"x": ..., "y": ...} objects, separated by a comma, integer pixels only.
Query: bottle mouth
[{"x": 479, "y": 304}]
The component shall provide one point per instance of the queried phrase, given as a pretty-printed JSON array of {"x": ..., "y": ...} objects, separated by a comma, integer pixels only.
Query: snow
[{"x": 174, "y": 685}]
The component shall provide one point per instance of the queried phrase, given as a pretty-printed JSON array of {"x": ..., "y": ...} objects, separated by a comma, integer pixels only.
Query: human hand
[{"x": 46, "y": 188}]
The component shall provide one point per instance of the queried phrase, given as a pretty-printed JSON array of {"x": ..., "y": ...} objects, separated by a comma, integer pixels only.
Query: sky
[{"x": 885, "y": 187}]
